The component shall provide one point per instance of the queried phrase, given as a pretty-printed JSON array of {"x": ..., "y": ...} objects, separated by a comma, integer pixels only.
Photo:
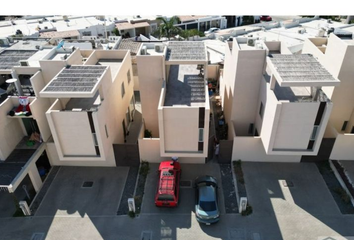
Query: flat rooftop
[
  {"x": 113, "y": 63},
  {"x": 185, "y": 86},
  {"x": 186, "y": 51},
  {"x": 11, "y": 58},
  {"x": 74, "y": 81},
  {"x": 301, "y": 70}
]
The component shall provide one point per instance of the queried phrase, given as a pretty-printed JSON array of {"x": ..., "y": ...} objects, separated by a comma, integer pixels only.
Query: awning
[
  {"x": 63, "y": 34},
  {"x": 127, "y": 25}
]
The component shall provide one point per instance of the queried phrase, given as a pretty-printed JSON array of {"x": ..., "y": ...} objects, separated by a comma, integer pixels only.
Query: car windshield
[
  {"x": 165, "y": 197},
  {"x": 207, "y": 206}
]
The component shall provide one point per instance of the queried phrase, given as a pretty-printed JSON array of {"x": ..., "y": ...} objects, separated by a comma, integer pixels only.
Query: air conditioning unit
[
  {"x": 24, "y": 63},
  {"x": 143, "y": 50},
  {"x": 251, "y": 41},
  {"x": 301, "y": 31},
  {"x": 65, "y": 18},
  {"x": 158, "y": 48}
]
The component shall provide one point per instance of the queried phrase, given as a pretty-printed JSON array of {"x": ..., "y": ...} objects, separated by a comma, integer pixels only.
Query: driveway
[
  {"x": 268, "y": 195},
  {"x": 7, "y": 205},
  {"x": 67, "y": 196},
  {"x": 187, "y": 194}
]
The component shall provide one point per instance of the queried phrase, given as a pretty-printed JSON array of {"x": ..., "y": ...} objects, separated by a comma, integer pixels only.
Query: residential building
[
  {"x": 273, "y": 101},
  {"x": 174, "y": 101},
  {"x": 201, "y": 22},
  {"x": 336, "y": 53},
  {"x": 81, "y": 105}
]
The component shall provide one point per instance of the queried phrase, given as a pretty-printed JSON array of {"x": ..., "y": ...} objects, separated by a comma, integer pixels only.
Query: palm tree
[{"x": 167, "y": 27}]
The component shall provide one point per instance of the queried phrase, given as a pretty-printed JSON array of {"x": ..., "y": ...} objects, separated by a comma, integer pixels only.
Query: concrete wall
[
  {"x": 251, "y": 149},
  {"x": 242, "y": 75},
  {"x": 37, "y": 82},
  {"x": 51, "y": 68},
  {"x": 213, "y": 71},
  {"x": 10, "y": 128},
  {"x": 295, "y": 125},
  {"x": 73, "y": 133},
  {"x": 38, "y": 108},
  {"x": 343, "y": 147},
  {"x": 181, "y": 129},
  {"x": 151, "y": 76},
  {"x": 149, "y": 150}
]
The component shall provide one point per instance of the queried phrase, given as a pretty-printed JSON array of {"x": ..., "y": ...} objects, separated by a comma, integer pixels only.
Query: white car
[{"x": 211, "y": 30}]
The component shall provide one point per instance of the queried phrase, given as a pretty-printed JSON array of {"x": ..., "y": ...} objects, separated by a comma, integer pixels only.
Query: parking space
[
  {"x": 94, "y": 191},
  {"x": 7, "y": 205},
  {"x": 187, "y": 193},
  {"x": 303, "y": 191}
]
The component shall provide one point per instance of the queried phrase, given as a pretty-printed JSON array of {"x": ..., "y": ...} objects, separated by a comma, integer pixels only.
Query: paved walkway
[{"x": 349, "y": 168}]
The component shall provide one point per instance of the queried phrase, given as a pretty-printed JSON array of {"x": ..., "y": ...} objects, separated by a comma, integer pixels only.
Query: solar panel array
[
  {"x": 11, "y": 58},
  {"x": 194, "y": 51},
  {"x": 300, "y": 67},
  {"x": 76, "y": 79}
]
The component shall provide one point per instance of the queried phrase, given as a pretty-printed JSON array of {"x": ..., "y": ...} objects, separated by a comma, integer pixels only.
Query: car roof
[{"x": 207, "y": 193}]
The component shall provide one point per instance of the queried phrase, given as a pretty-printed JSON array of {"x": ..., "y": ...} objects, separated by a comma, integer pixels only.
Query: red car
[
  {"x": 266, "y": 18},
  {"x": 168, "y": 186}
]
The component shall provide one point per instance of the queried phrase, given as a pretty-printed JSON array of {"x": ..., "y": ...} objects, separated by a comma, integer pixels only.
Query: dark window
[
  {"x": 320, "y": 113},
  {"x": 352, "y": 131},
  {"x": 200, "y": 146},
  {"x": 311, "y": 143},
  {"x": 250, "y": 129},
  {"x": 123, "y": 89},
  {"x": 207, "y": 206},
  {"x": 128, "y": 76},
  {"x": 201, "y": 117},
  {"x": 344, "y": 125},
  {"x": 256, "y": 133},
  {"x": 261, "y": 110},
  {"x": 105, "y": 127},
  {"x": 165, "y": 197}
]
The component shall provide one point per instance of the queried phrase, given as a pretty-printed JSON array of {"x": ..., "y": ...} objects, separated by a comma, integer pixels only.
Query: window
[
  {"x": 123, "y": 90},
  {"x": 344, "y": 125},
  {"x": 314, "y": 133},
  {"x": 105, "y": 127},
  {"x": 95, "y": 139},
  {"x": 128, "y": 76},
  {"x": 201, "y": 135},
  {"x": 261, "y": 110},
  {"x": 250, "y": 129}
]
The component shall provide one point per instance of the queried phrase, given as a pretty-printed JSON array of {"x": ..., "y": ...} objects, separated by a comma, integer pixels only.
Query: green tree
[
  {"x": 116, "y": 32},
  {"x": 167, "y": 28},
  {"x": 246, "y": 20}
]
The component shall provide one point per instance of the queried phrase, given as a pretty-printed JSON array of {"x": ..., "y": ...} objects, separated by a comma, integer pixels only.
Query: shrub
[
  {"x": 343, "y": 194},
  {"x": 144, "y": 168},
  {"x": 147, "y": 133},
  {"x": 247, "y": 211},
  {"x": 131, "y": 214}
]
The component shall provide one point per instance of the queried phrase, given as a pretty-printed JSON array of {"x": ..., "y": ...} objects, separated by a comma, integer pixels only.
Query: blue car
[{"x": 206, "y": 201}]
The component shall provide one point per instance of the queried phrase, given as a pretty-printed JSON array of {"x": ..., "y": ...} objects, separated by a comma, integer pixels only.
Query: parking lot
[
  {"x": 68, "y": 196},
  {"x": 306, "y": 190},
  {"x": 187, "y": 193}
]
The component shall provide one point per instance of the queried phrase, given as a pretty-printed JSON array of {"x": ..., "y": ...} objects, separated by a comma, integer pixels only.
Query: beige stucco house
[
  {"x": 174, "y": 101},
  {"x": 273, "y": 101},
  {"x": 337, "y": 55}
]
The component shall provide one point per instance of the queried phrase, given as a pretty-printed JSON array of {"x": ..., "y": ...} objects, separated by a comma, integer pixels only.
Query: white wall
[
  {"x": 295, "y": 125},
  {"x": 343, "y": 147},
  {"x": 149, "y": 150},
  {"x": 38, "y": 109},
  {"x": 181, "y": 129},
  {"x": 251, "y": 149},
  {"x": 151, "y": 75},
  {"x": 73, "y": 133},
  {"x": 10, "y": 128}
]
